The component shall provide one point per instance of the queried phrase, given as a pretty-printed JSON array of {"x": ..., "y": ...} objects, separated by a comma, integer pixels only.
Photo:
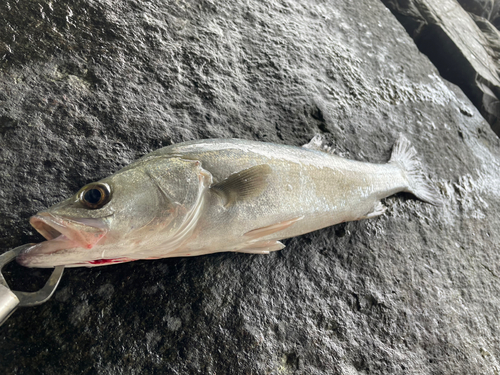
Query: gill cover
[{"x": 182, "y": 185}]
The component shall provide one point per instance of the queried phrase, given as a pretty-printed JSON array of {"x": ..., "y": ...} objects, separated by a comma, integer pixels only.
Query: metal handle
[
  {"x": 10, "y": 300},
  {"x": 8, "y": 303}
]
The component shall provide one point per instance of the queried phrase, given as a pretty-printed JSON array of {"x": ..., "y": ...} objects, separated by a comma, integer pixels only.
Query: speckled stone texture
[
  {"x": 463, "y": 46},
  {"x": 88, "y": 86}
]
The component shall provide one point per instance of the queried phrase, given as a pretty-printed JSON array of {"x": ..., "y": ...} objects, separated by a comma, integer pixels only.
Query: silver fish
[{"x": 218, "y": 195}]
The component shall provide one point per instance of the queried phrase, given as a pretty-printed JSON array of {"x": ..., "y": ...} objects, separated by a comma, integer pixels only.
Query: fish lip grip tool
[{"x": 10, "y": 300}]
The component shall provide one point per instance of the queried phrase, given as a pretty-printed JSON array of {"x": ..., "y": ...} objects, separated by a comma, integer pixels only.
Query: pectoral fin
[{"x": 245, "y": 184}]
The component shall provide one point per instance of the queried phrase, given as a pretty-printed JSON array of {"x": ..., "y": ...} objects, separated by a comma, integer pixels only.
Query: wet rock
[
  {"x": 446, "y": 33},
  {"x": 88, "y": 86}
]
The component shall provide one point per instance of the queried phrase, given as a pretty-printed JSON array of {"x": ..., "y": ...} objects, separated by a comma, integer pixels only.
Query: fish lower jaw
[
  {"x": 45, "y": 254},
  {"x": 62, "y": 251},
  {"x": 57, "y": 244}
]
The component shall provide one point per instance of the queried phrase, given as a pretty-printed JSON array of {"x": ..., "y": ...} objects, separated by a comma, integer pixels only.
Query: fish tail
[{"x": 404, "y": 154}]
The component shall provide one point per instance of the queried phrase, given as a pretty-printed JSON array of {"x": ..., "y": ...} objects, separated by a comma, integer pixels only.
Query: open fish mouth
[
  {"x": 83, "y": 232},
  {"x": 62, "y": 234}
]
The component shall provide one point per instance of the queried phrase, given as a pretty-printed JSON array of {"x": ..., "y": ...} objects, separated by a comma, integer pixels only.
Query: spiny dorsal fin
[
  {"x": 245, "y": 184},
  {"x": 319, "y": 143}
]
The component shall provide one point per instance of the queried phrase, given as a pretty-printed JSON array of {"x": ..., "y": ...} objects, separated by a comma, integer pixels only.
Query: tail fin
[{"x": 405, "y": 155}]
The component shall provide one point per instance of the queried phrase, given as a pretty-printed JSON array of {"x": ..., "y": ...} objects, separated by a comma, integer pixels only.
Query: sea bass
[{"x": 218, "y": 195}]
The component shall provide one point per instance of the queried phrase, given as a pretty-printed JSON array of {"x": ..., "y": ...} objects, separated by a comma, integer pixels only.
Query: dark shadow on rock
[{"x": 464, "y": 48}]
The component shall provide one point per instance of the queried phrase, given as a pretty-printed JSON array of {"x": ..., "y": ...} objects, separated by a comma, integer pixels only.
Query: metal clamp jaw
[{"x": 10, "y": 300}]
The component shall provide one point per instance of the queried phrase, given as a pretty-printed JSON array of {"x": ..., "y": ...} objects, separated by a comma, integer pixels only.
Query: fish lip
[{"x": 63, "y": 234}]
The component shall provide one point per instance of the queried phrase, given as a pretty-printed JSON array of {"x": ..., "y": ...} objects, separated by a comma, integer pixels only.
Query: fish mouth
[
  {"x": 83, "y": 232},
  {"x": 62, "y": 234}
]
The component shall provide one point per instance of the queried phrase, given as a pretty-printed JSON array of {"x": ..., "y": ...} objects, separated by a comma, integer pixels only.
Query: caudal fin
[{"x": 405, "y": 155}]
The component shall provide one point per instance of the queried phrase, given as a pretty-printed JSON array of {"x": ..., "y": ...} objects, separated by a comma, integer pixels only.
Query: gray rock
[
  {"x": 88, "y": 86},
  {"x": 481, "y": 8},
  {"x": 487, "y": 9},
  {"x": 446, "y": 33}
]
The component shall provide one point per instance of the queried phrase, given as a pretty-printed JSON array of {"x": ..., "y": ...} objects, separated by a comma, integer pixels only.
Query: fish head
[{"x": 151, "y": 204}]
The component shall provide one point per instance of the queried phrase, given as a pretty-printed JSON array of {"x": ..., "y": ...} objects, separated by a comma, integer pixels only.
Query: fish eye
[{"x": 95, "y": 196}]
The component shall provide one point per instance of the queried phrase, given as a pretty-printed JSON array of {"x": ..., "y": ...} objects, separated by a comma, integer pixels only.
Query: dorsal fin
[
  {"x": 319, "y": 143},
  {"x": 245, "y": 184}
]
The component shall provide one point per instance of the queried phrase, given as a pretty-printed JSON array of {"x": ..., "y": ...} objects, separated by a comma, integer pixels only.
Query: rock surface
[
  {"x": 88, "y": 86},
  {"x": 487, "y": 9},
  {"x": 465, "y": 52}
]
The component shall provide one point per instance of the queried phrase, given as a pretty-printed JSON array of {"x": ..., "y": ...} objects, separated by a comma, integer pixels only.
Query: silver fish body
[{"x": 218, "y": 195}]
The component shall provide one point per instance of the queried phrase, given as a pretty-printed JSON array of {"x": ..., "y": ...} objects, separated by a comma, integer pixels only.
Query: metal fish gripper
[{"x": 10, "y": 300}]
